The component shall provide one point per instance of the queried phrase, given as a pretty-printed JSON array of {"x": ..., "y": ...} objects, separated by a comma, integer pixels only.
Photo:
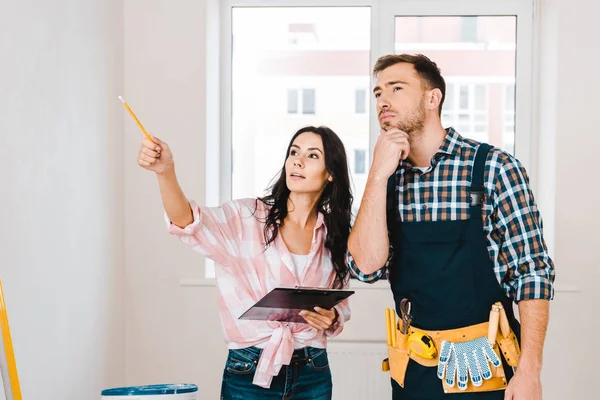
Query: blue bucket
[{"x": 153, "y": 392}]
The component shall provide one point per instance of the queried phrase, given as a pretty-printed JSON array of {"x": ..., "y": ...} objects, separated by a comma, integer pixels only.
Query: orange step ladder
[{"x": 10, "y": 363}]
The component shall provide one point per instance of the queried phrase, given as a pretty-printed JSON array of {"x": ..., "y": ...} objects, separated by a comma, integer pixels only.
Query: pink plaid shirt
[{"x": 232, "y": 236}]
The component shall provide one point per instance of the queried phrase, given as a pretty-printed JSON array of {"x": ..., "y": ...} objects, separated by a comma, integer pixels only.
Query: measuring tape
[{"x": 422, "y": 345}]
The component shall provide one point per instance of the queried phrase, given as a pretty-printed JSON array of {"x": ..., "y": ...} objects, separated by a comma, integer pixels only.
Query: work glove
[{"x": 472, "y": 356}]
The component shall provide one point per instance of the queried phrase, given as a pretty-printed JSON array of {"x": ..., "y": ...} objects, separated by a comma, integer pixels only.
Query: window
[
  {"x": 303, "y": 97},
  {"x": 466, "y": 109},
  {"x": 360, "y": 101},
  {"x": 279, "y": 55},
  {"x": 308, "y": 101},
  {"x": 468, "y": 29},
  {"x": 477, "y": 57},
  {"x": 292, "y": 99},
  {"x": 282, "y": 59},
  {"x": 302, "y": 34},
  {"x": 360, "y": 161}
]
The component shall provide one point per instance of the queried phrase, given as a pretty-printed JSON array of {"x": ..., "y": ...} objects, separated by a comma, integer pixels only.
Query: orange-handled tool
[
  {"x": 135, "y": 118},
  {"x": 8, "y": 350}
]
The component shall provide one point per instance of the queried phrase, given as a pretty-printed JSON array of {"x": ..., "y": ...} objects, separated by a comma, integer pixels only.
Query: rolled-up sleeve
[
  {"x": 372, "y": 277},
  {"x": 343, "y": 310},
  {"x": 519, "y": 252}
]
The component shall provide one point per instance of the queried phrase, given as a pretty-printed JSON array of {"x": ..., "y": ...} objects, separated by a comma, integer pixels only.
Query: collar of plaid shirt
[{"x": 451, "y": 146}]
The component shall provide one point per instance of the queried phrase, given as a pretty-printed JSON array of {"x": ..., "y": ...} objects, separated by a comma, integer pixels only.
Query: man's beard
[{"x": 412, "y": 124}]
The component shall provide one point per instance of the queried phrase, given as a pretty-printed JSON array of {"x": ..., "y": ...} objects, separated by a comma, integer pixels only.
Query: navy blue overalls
[{"x": 444, "y": 269}]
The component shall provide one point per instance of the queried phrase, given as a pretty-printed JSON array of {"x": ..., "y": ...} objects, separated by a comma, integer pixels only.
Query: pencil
[
  {"x": 393, "y": 321},
  {"x": 136, "y": 120},
  {"x": 8, "y": 350},
  {"x": 388, "y": 324}
]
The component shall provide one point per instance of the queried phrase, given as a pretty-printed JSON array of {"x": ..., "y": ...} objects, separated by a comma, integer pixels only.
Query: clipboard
[{"x": 284, "y": 303}]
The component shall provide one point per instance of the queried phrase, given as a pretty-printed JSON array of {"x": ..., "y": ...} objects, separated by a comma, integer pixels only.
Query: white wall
[
  {"x": 173, "y": 334},
  {"x": 61, "y": 237},
  {"x": 570, "y": 145}
]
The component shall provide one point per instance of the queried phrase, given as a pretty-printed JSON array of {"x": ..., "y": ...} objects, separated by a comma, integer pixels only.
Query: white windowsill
[{"x": 354, "y": 284}]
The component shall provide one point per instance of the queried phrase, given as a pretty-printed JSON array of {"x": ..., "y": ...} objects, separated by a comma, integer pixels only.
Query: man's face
[{"x": 400, "y": 99}]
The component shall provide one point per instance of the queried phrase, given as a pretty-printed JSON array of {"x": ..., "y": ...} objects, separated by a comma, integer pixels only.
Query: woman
[{"x": 295, "y": 236}]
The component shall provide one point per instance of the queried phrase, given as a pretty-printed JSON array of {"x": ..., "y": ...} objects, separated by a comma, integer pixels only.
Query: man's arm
[
  {"x": 527, "y": 383},
  {"x": 368, "y": 242},
  {"x": 534, "y": 321}
]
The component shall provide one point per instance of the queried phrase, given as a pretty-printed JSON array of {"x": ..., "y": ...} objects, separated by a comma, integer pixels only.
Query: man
[{"x": 418, "y": 229}]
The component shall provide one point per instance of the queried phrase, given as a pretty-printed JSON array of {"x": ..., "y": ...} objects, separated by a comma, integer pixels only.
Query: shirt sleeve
[
  {"x": 374, "y": 276},
  {"x": 343, "y": 310},
  {"x": 215, "y": 232},
  {"x": 520, "y": 256}
]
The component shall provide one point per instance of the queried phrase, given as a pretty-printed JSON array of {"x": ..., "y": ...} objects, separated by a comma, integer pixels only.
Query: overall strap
[
  {"x": 477, "y": 176},
  {"x": 392, "y": 201}
]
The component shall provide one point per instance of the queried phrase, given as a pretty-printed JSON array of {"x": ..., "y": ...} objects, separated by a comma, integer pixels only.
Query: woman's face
[{"x": 305, "y": 165}]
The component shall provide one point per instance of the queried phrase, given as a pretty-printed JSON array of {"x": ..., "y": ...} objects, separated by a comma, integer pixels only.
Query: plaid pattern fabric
[
  {"x": 512, "y": 223},
  {"x": 232, "y": 236}
]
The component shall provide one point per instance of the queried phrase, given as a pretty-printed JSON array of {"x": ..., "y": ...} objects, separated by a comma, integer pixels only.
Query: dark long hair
[{"x": 335, "y": 202}]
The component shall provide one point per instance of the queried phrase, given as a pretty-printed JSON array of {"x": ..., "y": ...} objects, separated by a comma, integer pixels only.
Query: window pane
[
  {"x": 360, "y": 164},
  {"x": 464, "y": 123},
  {"x": 480, "y": 97},
  {"x": 468, "y": 29},
  {"x": 360, "y": 102},
  {"x": 449, "y": 100},
  {"x": 477, "y": 56},
  {"x": 292, "y": 99},
  {"x": 308, "y": 101},
  {"x": 282, "y": 59},
  {"x": 447, "y": 119},
  {"x": 464, "y": 97}
]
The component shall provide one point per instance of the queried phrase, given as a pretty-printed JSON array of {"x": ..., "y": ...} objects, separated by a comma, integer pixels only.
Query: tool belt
[{"x": 423, "y": 346}]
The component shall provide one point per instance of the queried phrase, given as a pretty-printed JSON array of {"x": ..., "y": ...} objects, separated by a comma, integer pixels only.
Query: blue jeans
[{"x": 306, "y": 378}]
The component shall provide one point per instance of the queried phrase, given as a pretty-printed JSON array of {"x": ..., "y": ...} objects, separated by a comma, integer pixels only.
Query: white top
[{"x": 300, "y": 262}]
